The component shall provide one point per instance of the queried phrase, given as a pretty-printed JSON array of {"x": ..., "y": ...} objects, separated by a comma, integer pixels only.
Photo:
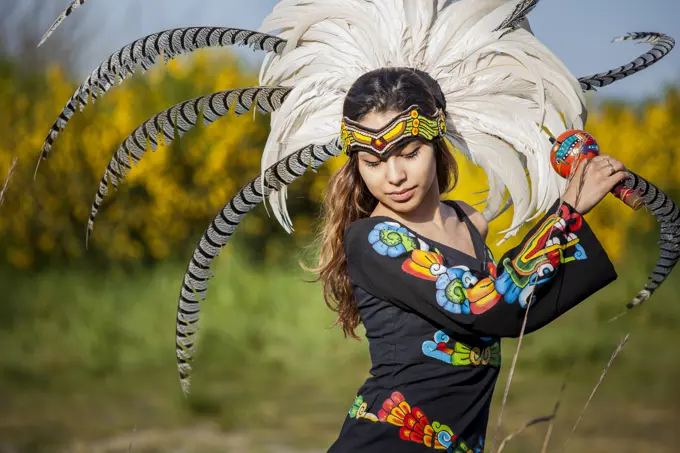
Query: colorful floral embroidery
[
  {"x": 358, "y": 410},
  {"x": 462, "y": 448},
  {"x": 480, "y": 446},
  {"x": 415, "y": 427},
  {"x": 413, "y": 424},
  {"x": 451, "y": 294},
  {"x": 462, "y": 354},
  {"x": 483, "y": 296},
  {"x": 393, "y": 240},
  {"x": 425, "y": 265},
  {"x": 458, "y": 291},
  {"x": 491, "y": 264},
  {"x": 541, "y": 256}
]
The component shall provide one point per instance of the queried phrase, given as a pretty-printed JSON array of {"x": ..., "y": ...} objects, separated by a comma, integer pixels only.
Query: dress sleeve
[{"x": 559, "y": 264}]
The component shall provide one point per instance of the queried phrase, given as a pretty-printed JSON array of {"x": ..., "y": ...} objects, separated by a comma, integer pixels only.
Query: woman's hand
[{"x": 594, "y": 178}]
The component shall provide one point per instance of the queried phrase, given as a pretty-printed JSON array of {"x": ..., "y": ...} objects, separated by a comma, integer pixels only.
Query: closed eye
[{"x": 412, "y": 154}]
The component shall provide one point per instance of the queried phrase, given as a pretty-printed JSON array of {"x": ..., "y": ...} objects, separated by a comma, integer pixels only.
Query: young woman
[
  {"x": 414, "y": 269},
  {"x": 416, "y": 272}
]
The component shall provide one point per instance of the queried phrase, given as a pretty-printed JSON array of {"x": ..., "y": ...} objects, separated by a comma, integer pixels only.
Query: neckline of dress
[{"x": 430, "y": 242}]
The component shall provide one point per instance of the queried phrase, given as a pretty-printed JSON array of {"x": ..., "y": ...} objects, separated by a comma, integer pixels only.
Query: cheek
[
  {"x": 426, "y": 169},
  {"x": 371, "y": 178},
  {"x": 433, "y": 172}
]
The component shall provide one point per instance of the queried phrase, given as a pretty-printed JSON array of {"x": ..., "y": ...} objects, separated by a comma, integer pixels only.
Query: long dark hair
[{"x": 347, "y": 197}]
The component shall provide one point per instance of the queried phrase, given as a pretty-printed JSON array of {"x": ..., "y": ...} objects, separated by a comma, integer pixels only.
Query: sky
[{"x": 579, "y": 32}]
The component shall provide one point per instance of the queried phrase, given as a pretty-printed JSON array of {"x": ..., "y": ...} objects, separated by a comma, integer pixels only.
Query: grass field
[{"x": 88, "y": 365}]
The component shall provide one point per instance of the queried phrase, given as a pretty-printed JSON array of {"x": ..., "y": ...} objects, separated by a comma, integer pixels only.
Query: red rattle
[{"x": 573, "y": 146}]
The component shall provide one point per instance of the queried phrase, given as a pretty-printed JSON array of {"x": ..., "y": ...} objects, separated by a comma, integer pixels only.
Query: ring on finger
[{"x": 611, "y": 166}]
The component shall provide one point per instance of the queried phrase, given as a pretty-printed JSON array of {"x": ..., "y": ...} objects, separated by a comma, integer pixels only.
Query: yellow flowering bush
[
  {"x": 164, "y": 204},
  {"x": 169, "y": 199},
  {"x": 646, "y": 140}
]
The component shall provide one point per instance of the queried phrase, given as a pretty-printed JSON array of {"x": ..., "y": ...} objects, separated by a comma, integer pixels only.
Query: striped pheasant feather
[
  {"x": 181, "y": 117},
  {"x": 667, "y": 213},
  {"x": 662, "y": 43},
  {"x": 518, "y": 15},
  {"x": 195, "y": 283},
  {"x": 171, "y": 43},
  {"x": 75, "y": 4},
  {"x": 322, "y": 47}
]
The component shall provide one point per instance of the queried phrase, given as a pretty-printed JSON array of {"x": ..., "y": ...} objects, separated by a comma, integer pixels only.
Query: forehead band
[{"x": 406, "y": 126}]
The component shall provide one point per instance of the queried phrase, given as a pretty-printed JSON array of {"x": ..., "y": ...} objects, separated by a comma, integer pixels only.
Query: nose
[{"x": 396, "y": 173}]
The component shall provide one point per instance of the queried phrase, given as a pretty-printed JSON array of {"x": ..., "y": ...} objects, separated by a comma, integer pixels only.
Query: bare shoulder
[{"x": 476, "y": 217}]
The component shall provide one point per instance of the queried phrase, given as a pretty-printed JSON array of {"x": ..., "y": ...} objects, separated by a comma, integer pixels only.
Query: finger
[
  {"x": 613, "y": 180},
  {"x": 600, "y": 170},
  {"x": 603, "y": 167},
  {"x": 609, "y": 167},
  {"x": 603, "y": 160},
  {"x": 609, "y": 160},
  {"x": 618, "y": 165}
]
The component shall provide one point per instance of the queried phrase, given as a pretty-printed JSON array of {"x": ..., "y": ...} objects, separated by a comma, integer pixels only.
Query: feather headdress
[{"x": 503, "y": 89}]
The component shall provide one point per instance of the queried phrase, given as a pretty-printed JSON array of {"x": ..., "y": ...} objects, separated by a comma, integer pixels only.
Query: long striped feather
[
  {"x": 180, "y": 117},
  {"x": 195, "y": 283},
  {"x": 75, "y": 4},
  {"x": 662, "y": 43},
  {"x": 171, "y": 43},
  {"x": 518, "y": 15},
  {"x": 667, "y": 213}
]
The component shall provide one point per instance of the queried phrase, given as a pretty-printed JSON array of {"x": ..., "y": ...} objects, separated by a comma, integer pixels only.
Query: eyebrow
[{"x": 415, "y": 144}]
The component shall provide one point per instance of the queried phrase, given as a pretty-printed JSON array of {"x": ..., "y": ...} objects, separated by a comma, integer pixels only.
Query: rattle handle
[{"x": 628, "y": 196}]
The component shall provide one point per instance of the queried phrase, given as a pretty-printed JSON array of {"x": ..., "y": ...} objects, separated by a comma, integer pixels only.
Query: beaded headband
[{"x": 409, "y": 124}]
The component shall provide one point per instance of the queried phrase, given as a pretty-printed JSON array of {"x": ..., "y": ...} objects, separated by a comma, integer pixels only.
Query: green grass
[{"x": 88, "y": 359}]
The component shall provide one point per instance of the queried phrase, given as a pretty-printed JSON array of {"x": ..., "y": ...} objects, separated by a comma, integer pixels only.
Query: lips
[
  {"x": 403, "y": 195},
  {"x": 401, "y": 192}
]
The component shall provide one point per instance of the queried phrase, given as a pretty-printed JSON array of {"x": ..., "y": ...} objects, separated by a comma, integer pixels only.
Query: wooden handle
[{"x": 628, "y": 196}]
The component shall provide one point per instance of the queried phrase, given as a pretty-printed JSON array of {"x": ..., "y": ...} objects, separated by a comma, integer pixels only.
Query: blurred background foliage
[
  {"x": 88, "y": 363},
  {"x": 170, "y": 198}
]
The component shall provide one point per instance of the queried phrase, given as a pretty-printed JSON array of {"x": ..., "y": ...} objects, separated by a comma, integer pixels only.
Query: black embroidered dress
[{"x": 434, "y": 317}]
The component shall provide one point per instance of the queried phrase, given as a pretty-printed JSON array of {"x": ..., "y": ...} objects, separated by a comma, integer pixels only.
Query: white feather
[{"x": 500, "y": 87}]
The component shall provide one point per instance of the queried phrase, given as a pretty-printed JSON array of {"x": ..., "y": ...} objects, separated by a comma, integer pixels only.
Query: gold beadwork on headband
[{"x": 410, "y": 123}]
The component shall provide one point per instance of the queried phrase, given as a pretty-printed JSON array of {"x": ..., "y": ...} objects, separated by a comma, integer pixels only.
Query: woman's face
[{"x": 403, "y": 180}]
